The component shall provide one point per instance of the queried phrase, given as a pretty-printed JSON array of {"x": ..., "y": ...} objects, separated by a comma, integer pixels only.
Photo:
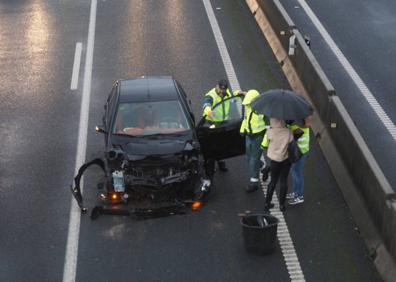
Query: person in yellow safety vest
[
  {"x": 212, "y": 98},
  {"x": 253, "y": 127},
  {"x": 215, "y": 96},
  {"x": 297, "y": 168}
]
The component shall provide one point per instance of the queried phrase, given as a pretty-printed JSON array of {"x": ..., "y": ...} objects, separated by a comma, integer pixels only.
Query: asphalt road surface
[{"x": 39, "y": 130}]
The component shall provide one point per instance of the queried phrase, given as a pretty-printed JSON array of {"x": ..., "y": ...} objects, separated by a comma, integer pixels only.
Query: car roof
[{"x": 145, "y": 89}]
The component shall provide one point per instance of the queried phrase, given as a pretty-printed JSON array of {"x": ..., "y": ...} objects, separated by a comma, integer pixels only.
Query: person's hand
[
  {"x": 240, "y": 93},
  {"x": 210, "y": 114},
  {"x": 308, "y": 121},
  {"x": 297, "y": 133}
]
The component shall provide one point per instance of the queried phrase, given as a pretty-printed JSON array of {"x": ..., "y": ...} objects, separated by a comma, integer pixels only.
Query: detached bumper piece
[
  {"x": 76, "y": 190},
  {"x": 139, "y": 213}
]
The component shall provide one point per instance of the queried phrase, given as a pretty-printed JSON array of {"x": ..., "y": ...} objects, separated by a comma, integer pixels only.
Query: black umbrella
[{"x": 282, "y": 104}]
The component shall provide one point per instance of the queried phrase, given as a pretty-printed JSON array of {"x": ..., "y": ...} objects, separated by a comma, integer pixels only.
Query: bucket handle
[{"x": 262, "y": 221}]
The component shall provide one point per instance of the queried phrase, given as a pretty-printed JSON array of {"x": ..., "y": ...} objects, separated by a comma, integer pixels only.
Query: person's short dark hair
[{"x": 223, "y": 84}]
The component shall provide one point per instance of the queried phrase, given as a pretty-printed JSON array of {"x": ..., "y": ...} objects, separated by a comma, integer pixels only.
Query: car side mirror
[{"x": 100, "y": 129}]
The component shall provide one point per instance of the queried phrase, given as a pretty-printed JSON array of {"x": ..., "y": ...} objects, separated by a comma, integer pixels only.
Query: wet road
[{"x": 39, "y": 131}]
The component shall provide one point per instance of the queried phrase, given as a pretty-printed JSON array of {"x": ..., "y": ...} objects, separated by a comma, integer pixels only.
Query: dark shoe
[
  {"x": 282, "y": 208},
  {"x": 265, "y": 171},
  {"x": 267, "y": 207},
  {"x": 253, "y": 186},
  {"x": 222, "y": 166}
]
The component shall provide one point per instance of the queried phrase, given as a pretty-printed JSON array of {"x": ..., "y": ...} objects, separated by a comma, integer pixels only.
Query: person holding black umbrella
[
  {"x": 280, "y": 105},
  {"x": 276, "y": 140}
]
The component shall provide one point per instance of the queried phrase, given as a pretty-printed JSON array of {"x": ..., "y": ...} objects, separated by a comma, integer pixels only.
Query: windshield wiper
[
  {"x": 127, "y": 135},
  {"x": 155, "y": 135},
  {"x": 152, "y": 136}
]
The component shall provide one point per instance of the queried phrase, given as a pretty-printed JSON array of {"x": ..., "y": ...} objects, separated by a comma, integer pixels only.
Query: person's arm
[
  {"x": 239, "y": 92},
  {"x": 265, "y": 143},
  {"x": 297, "y": 133},
  {"x": 207, "y": 106},
  {"x": 308, "y": 121},
  {"x": 242, "y": 129}
]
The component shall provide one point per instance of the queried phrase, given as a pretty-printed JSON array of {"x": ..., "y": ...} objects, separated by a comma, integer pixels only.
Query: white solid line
[
  {"x": 70, "y": 266},
  {"x": 286, "y": 243},
  {"x": 382, "y": 115},
  {"x": 76, "y": 66},
  {"x": 283, "y": 233}
]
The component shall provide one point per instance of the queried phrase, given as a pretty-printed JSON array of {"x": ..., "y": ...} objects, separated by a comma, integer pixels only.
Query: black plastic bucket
[{"x": 259, "y": 232}]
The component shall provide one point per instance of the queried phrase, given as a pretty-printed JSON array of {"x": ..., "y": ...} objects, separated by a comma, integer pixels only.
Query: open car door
[{"x": 222, "y": 140}]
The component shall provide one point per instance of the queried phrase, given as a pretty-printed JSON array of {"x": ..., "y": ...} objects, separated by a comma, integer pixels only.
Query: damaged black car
[{"x": 154, "y": 159}]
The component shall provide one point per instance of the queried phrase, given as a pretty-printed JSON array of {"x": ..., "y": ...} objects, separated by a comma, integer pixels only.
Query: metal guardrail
[{"x": 368, "y": 179}]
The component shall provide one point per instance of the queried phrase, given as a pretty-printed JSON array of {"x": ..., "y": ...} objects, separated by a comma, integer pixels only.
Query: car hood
[{"x": 141, "y": 148}]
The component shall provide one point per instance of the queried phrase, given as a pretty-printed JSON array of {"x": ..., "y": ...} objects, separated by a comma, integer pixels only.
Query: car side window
[
  {"x": 230, "y": 109},
  {"x": 185, "y": 102}
]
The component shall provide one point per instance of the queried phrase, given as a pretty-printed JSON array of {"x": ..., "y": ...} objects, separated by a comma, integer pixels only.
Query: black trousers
[
  {"x": 209, "y": 168},
  {"x": 279, "y": 171},
  {"x": 210, "y": 165}
]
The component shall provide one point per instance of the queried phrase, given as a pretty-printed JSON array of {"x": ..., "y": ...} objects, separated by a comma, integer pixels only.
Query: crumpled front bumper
[{"x": 176, "y": 207}]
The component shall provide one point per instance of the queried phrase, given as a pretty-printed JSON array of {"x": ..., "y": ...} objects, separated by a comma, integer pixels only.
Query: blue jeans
[
  {"x": 297, "y": 172},
  {"x": 253, "y": 154}
]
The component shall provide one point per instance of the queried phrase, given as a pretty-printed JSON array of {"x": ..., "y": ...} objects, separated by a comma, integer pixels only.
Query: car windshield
[{"x": 148, "y": 118}]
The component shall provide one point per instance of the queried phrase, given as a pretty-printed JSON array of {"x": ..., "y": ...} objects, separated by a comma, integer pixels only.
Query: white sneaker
[
  {"x": 290, "y": 196},
  {"x": 205, "y": 185},
  {"x": 296, "y": 201}
]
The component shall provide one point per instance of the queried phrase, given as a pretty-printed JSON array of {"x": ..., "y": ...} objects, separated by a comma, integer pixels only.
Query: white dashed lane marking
[{"x": 76, "y": 66}]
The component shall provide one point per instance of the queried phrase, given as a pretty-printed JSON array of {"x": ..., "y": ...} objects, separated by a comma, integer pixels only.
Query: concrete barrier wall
[
  {"x": 368, "y": 181},
  {"x": 367, "y": 176},
  {"x": 312, "y": 77}
]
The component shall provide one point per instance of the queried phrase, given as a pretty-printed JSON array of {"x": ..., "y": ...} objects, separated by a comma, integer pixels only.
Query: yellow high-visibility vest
[
  {"x": 252, "y": 122},
  {"x": 303, "y": 141},
  {"x": 222, "y": 113}
]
